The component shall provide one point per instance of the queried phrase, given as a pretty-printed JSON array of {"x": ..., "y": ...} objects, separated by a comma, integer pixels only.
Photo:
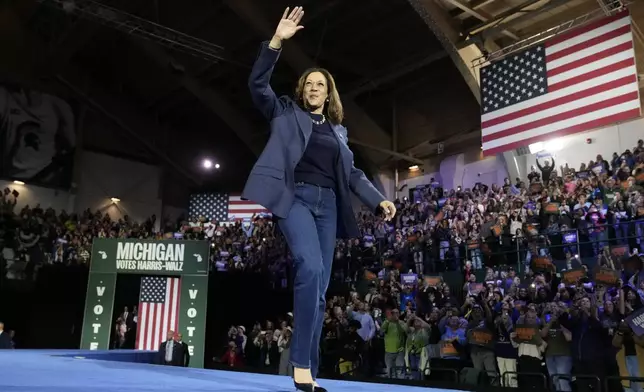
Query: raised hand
[
  {"x": 290, "y": 23},
  {"x": 388, "y": 208}
]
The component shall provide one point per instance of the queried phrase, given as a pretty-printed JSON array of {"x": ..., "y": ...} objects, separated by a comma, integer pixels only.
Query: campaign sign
[
  {"x": 409, "y": 279},
  {"x": 527, "y": 334},
  {"x": 480, "y": 337},
  {"x": 607, "y": 277},
  {"x": 636, "y": 321},
  {"x": 433, "y": 281},
  {"x": 447, "y": 350},
  {"x": 572, "y": 276}
]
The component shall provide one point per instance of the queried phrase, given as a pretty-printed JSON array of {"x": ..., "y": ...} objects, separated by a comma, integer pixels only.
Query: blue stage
[{"x": 125, "y": 371}]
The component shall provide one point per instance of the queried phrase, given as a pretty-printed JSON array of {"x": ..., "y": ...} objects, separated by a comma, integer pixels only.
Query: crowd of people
[
  {"x": 558, "y": 253},
  {"x": 553, "y": 284}
]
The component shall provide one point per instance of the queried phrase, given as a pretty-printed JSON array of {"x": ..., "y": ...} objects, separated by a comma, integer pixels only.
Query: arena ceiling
[{"x": 404, "y": 68}]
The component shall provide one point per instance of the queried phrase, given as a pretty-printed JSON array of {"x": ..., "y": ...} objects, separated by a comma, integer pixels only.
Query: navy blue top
[{"x": 317, "y": 166}]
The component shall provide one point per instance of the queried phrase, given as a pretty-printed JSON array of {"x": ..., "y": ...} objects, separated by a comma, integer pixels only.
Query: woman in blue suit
[{"x": 304, "y": 177}]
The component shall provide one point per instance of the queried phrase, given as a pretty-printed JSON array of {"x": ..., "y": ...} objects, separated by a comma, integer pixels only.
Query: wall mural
[{"x": 37, "y": 137}]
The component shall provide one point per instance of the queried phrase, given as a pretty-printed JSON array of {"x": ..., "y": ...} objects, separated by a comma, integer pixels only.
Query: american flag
[
  {"x": 575, "y": 82},
  {"x": 158, "y": 310},
  {"x": 223, "y": 207}
]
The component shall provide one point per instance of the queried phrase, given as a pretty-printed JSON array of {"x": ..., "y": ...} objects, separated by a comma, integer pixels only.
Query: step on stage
[{"x": 126, "y": 370}]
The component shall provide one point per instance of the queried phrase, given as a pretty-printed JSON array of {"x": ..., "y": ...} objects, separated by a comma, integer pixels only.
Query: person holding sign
[
  {"x": 453, "y": 339},
  {"x": 527, "y": 339},
  {"x": 305, "y": 177},
  {"x": 480, "y": 338}
]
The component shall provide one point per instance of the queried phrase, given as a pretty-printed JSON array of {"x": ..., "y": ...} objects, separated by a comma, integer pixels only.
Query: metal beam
[
  {"x": 503, "y": 16},
  {"x": 122, "y": 112},
  {"x": 214, "y": 100},
  {"x": 480, "y": 15},
  {"x": 394, "y": 154},
  {"x": 440, "y": 23},
  {"x": 391, "y": 75},
  {"x": 431, "y": 145},
  {"x": 475, "y": 4},
  {"x": 360, "y": 124},
  {"x": 81, "y": 32},
  {"x": 495, "y": 31}
]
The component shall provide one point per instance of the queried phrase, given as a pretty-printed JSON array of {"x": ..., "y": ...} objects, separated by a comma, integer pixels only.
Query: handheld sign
[
  {"x": 541, "y": 263},
  {"x": 480, "y": 337},
  {"x": 527, "y": 334},
  {"x": 368, "y": 275},
  {"x": 619, "y": 250},
  {"x": 551, "y": 208},
  {"x": 572, "y": 276},
  {"x": 408, "y": 279},
  {"x": 607, "y": 277},
  {"x": 448, "y": 350},
  {"x": 432, "y": 281},
  {"x": 636, "y": 321}
]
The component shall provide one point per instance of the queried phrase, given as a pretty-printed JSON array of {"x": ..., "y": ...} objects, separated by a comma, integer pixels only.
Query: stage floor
[{"x": 60, "y": 371}]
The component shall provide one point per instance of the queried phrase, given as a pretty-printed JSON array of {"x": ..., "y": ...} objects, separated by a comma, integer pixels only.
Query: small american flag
[
  {"x": 575, "y": 82},
  {"x": 158, "y": 310},
  {"x": 223, "y": 207}
]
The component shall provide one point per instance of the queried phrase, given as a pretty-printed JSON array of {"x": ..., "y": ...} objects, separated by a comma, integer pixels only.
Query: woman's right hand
[{"x": 289, "y": 24}]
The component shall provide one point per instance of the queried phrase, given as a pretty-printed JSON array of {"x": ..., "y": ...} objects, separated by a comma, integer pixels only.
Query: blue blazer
[{"x": 271, "y": 182}]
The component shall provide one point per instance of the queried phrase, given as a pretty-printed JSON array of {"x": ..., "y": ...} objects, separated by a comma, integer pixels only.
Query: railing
[
  {"x": 608, "y": 379},
  {"x": 547, "y": 383},
  {"x": 518, "y": 379},
  {"x": 403, "y": 371},
  {"x": 584, "y": 244}
]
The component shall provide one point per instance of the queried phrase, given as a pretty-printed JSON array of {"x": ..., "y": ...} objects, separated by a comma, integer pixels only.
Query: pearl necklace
[{"x": 320, "y": 122}]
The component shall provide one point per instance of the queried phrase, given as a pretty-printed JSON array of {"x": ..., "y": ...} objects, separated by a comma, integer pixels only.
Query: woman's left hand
[{"x": 388, "y": 208}]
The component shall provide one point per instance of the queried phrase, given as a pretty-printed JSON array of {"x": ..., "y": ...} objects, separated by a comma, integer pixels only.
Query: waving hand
[{"x": 290, "y": 23}]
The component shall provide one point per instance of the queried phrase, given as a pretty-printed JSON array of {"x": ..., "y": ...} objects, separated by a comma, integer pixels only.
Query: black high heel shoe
[{"x": 308, "y": 387}]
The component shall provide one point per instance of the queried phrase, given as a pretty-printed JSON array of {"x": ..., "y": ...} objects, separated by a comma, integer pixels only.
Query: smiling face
[{"x": 316, "y": 91}]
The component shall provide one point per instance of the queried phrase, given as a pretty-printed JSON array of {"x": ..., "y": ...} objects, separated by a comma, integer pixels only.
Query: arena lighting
[
  {"x": 115, "y": 199},
  {"x": 207, "y": 163},
  {"x": 552, "y": 145},
  {"x": 413, "y": 168},
  {"x": 18, "y": 182}
]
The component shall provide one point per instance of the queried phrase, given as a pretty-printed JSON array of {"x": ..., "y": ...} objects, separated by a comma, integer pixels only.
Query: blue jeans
[
  {"x": 414, "y": 364},
  {"x": 633, "y": 368},
  {"x": 560, "y": 364},
  {"x": 310, "y": 230}
]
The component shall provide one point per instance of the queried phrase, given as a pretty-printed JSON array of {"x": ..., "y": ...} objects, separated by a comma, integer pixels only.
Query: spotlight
[
  {"x": 18, "y": 182},
  {"x": 217, "y": 166},
  {"x": 207, "y": 163},
  {"x": 115, "y": 199}
]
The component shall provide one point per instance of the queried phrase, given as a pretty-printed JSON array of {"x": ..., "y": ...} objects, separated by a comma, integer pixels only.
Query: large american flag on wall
[
  {"x": 575, "y": 82},
  {"x": 223, "y": 207},
  {"x": 158, "y": 310}
]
